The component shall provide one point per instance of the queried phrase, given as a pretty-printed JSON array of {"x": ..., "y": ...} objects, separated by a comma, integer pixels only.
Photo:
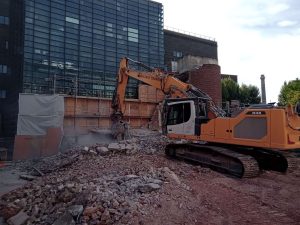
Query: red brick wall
[{"x": 208, "y": 79}]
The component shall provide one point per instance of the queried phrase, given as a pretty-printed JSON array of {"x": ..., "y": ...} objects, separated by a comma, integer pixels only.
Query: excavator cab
[
  {"x": 181, "y": 117},
  {"x": 184, "y": 116}
]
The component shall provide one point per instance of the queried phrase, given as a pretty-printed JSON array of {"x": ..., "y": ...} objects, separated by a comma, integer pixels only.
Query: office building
[{"x": 72, "y": 47}]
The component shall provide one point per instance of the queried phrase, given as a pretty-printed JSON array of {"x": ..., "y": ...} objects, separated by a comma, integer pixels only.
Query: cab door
[{"x": 181, "y": 118}]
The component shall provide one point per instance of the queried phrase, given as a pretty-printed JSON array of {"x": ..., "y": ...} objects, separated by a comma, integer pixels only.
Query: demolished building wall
[
  {"x": 86, "y": 113},
  {"x": 40, "y": 126},
  {"x": 45, "y": 119}
]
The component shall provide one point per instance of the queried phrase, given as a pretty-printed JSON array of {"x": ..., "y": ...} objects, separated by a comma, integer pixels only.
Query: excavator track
[
  {"x": 217, "y": 158},
  {"x": 271, "y": 159},
  {"x": 292, "y": 164}
]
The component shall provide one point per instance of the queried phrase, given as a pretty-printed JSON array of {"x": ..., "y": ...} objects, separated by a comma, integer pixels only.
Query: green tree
[
  {"x": 289, "y": 93},
  {"x": 248, "y": 94},
  {"x": 230, "y": 90}
]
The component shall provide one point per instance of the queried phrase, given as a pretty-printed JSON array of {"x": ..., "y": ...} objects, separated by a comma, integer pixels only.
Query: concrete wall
[{"x": 190, "y": 62}]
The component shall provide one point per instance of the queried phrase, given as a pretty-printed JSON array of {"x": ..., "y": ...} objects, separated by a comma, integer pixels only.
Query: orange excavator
[{"x": 261, "y": 137}]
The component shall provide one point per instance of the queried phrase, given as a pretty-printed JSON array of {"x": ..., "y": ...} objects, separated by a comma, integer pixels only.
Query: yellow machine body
[{"x": 270, "y": 128}]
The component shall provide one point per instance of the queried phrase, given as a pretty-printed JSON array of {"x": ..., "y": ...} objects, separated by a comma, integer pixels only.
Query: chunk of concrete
[
  {"x": 113, "y": 146},
  {"x": 148, "y": 187},
  {"x": 171, "y": 175},
  {"x": 75, "y": 210},
  {"x": 130, "y": 177},
  {"x": 18, "y": 219},
  {"x": 27, "y": 177},
  {"x": 102, "y": 150},
  {"x": 65, "y": 219}
]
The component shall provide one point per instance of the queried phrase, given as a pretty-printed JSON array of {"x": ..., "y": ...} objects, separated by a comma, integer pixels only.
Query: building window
[
  {"x": 28, "y": 20},
  {"x": 3, "y": 69},
  {"x": 174, "y": 66},
  {"x": 4, "y": 20},
  {"x": 72, "y": 20},
  {"x": 4, "y": 45},
  {"x": 133, "y": 34},
  {"x": 177, "y": 54},
  {"x": 2, "y": 94}
]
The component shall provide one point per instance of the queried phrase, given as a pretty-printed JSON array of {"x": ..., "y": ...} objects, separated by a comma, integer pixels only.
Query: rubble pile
[
  {"x": 83, "y": 186},
  {"x": 105, "y": 200},
  {"x": 149, "y": 144},
  {"x": 79, "y": 194},
  {"x": 39, "y": 167}
]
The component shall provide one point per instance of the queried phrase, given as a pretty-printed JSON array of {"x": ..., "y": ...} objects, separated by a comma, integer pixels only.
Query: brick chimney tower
[{"x": 263, "y": 89}]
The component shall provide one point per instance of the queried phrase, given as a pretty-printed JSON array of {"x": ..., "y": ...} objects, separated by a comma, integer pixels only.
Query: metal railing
[{"x": 189, "y": 33}]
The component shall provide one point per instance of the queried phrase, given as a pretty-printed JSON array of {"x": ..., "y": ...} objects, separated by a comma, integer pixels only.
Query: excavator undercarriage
[{"x": 236, "y": 161}]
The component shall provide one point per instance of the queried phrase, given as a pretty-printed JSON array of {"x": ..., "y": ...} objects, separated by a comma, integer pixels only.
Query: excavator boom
[{"x": 168, "y": 84}]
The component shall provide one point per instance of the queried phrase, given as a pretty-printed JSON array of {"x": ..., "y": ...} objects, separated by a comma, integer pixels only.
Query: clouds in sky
[{"x": 254, "y": 37}]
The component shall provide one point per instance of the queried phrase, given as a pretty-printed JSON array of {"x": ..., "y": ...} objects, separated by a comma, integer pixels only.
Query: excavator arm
[{"x": 168, "y": 84}]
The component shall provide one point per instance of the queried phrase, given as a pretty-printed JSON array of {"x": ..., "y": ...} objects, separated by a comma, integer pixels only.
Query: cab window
[
  {"x": 179, "y": 113},
  {"x": 202, "y": 109}
]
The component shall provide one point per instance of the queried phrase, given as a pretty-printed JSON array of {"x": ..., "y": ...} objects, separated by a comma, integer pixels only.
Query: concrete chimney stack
[{"x": 263, "y": 89}]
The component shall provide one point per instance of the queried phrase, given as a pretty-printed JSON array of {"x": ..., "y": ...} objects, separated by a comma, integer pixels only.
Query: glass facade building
[{"x": 74, "y": 46}]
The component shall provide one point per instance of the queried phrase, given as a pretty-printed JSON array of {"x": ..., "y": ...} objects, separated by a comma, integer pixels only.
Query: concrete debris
[
  {"x": 102, "y": 150},
  {"x": 130, "y": 177},
  {"x": 148, "y": 187},
  {"x": 171, "y": 175},
  {"x": 8, "y": 210},
  {"x": 65, "y": 219},
  {"x": 89, "y": 211},
  {"x": 18, "y": 219},
  {"x": 83, "y": 187},
  {"x": 27, "y": 177},
  {"x": 106, "y": 216},
  {"x": 93, "y": 152},
  {"x": 113, "y": 147},
  {"x": 39, "y": 173}
]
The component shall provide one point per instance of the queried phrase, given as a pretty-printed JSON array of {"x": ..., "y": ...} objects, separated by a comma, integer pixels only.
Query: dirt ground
[
  {"x": 271, "y": 198},
  {"x": 190, "y": 195}
]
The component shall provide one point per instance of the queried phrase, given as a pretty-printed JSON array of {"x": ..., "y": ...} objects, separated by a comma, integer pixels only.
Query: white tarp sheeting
[{"x": 37, "y": 113}]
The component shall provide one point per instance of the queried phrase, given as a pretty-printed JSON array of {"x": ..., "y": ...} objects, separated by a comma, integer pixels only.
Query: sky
[{"x": 254, "y": 36}]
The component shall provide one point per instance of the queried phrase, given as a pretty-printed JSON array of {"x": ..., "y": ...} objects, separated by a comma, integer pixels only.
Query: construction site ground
[{"x": 132, "y": 182}]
